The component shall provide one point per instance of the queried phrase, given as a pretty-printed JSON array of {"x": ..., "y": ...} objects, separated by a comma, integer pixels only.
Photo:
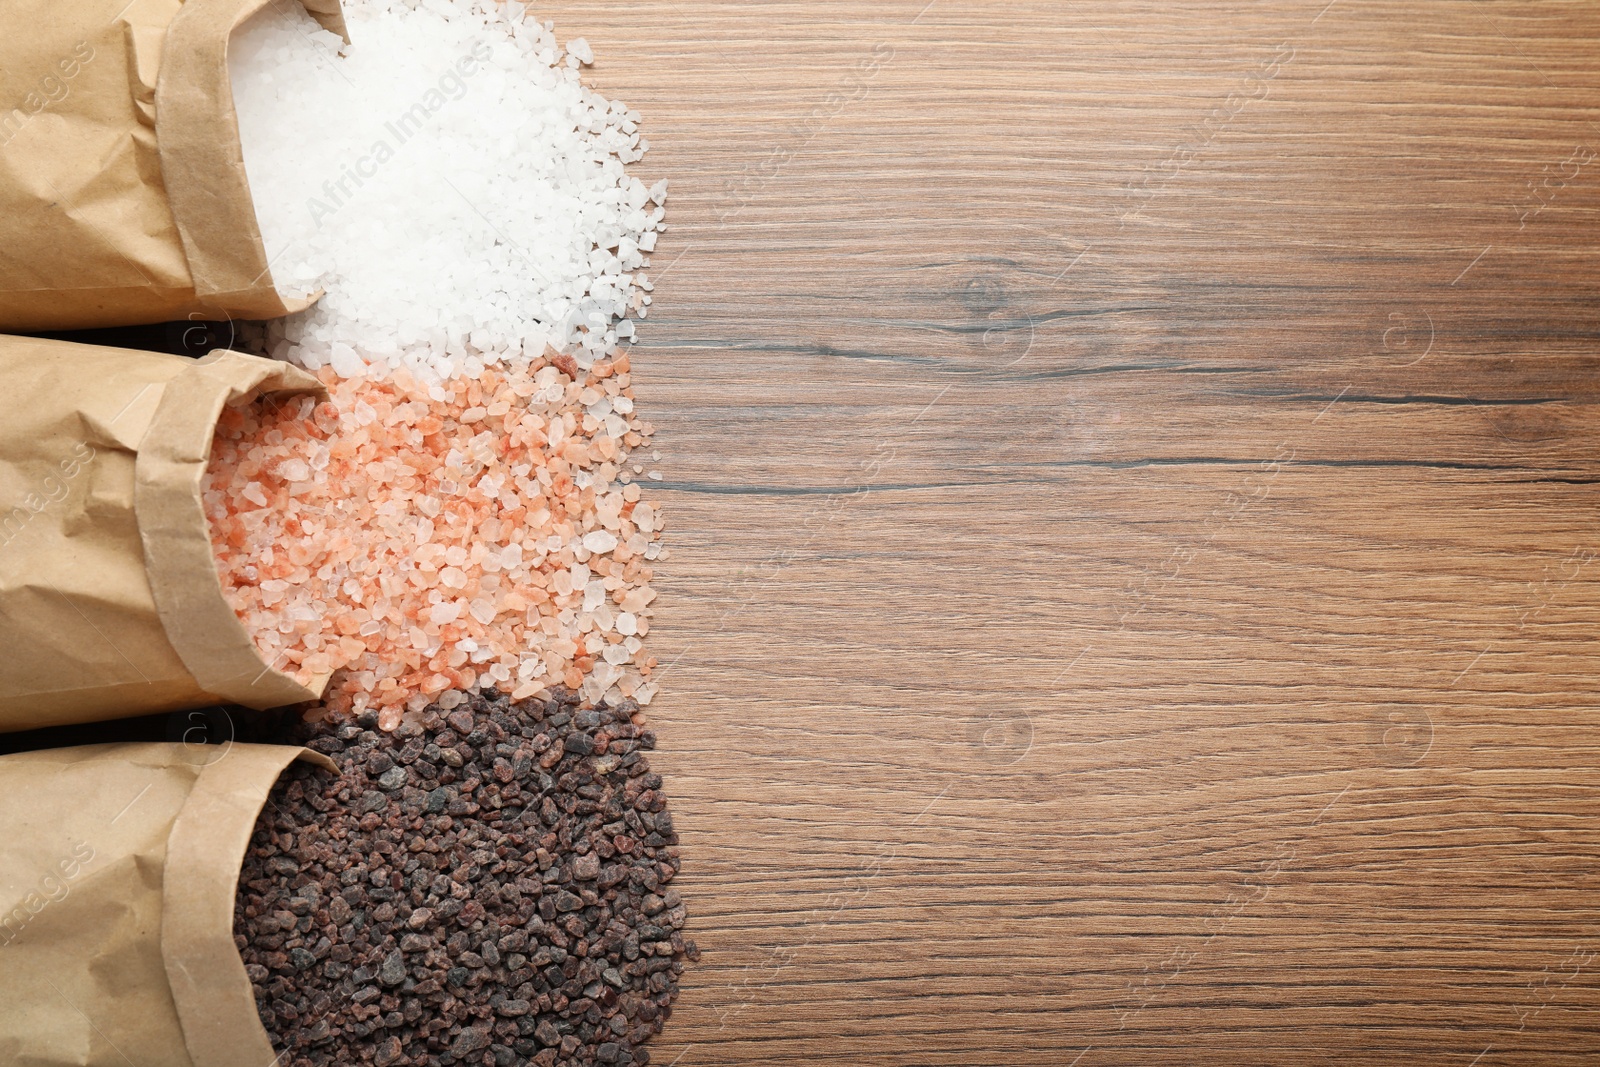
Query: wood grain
[{"x": 1131, "y": 471}]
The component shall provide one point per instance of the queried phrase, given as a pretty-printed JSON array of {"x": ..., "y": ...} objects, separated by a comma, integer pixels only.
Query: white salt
[
  {"x": 447, "y": 180},
  {"x": 600, "y": 541}
]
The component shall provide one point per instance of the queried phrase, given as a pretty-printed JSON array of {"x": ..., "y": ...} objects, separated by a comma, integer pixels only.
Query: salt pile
[
  {"x": 489, "y": 887},
  {"x": 450, "y": 183},
  {"x": 417, "y": 538}
]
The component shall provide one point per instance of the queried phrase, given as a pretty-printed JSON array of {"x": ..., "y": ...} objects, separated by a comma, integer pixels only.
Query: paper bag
[
  {"x": 123, "y": 197},
  {"x": 118, "y": 872},
  {"x": 110, "y": 605}
]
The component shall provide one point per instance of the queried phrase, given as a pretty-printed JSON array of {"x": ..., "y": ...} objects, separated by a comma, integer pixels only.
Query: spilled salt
[
  {"x": 355, "y": 155},
  {"x": 529, "y": 572}
]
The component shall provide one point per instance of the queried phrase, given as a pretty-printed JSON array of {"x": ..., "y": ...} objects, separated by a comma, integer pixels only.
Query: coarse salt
[
  {"x": 345, "y": 577},
  {"x": 448, "y": 180}
]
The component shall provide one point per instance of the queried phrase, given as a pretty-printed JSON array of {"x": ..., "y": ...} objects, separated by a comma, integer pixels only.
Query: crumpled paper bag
[
  {"x": 110, "y": 605},
  {"x": 123, "y": 197},
  {"x": 118, "y": 872}
]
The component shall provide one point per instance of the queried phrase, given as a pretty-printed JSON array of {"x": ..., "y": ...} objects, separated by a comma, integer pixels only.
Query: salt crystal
[
  {"x": 600, "y": 541},
  {"x": 345, "y": 362}
]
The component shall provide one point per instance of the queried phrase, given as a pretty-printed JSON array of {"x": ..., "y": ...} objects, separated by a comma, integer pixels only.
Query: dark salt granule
[{"x": 488, "y": 888}]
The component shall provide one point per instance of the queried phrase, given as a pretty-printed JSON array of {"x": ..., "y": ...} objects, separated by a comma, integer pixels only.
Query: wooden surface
[{"x": 1131, "y": 472}]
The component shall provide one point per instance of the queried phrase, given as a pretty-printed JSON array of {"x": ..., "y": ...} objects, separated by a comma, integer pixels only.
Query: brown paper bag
[
  {"x": 118, "y": 871},
  {"x": 123, "y": 197},
  {"x": 110, "y": 604}
]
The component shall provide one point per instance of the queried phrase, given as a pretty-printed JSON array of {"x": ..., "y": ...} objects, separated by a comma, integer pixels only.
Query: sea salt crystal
[{"x": 344, "y": 360}]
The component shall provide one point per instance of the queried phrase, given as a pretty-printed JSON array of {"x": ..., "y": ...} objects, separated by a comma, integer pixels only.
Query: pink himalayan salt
[{"x": 415, "y": 538}]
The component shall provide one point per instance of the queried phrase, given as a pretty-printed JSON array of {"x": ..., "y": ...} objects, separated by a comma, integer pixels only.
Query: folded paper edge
[
  {"x": 202, "y": 163},
  {"x": 202, "y": 627},
  {"x": 205, "y": 850}
]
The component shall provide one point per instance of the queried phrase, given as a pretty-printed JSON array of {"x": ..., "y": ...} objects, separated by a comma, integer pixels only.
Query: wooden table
[{"x": 1131, "y": 477}]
